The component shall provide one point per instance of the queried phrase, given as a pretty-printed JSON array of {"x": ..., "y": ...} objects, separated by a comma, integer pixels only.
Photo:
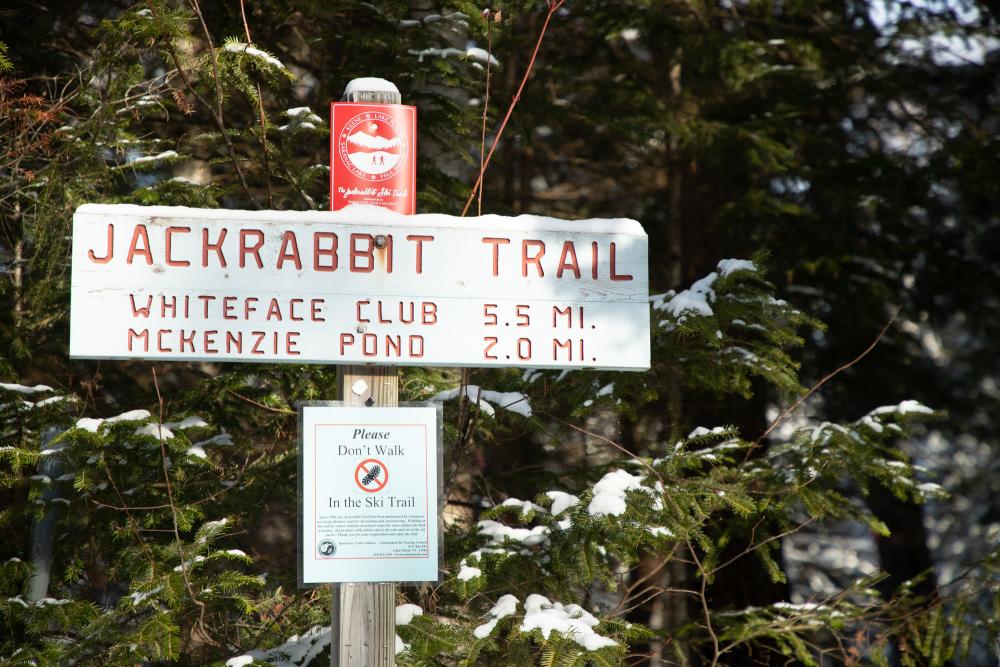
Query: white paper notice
[{"x": 369, "y": 494}]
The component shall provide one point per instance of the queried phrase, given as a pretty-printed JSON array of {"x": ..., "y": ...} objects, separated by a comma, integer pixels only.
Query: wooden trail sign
[{"x": 363, "y": 285}]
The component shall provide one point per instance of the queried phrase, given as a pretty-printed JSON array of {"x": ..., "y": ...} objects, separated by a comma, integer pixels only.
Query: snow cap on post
[{"x": 372, "y": 90}]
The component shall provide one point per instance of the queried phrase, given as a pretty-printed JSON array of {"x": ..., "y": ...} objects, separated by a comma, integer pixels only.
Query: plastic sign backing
[{"x": 369, "y": 493}]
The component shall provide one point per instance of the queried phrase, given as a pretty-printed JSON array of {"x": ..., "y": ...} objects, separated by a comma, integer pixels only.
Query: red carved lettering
[
  {"x": 523, "y": 318},
  {"x": 159, "y": 340},
  {"x": 208, "y": 341},
  {"x": 419, "y": 240},
  {"x": 319, "y": 251},
  {"x": 169, "y": 234},
  {"x": 189, "y": 340},
  {"x": 615, "y": 276},
  {"x": 139, "y": 233},
  {"x": 345, "y": 339},
  {"x": 234, "y": 341},
  {"x": 568, "y": 251},
  {"x": 273, "y": 311},
  {"x": 143, "y": 336},
  {"x": 314, "y": 310},
  {"x": 109, "y": 253},
  {"x": 536, "y": 259},
  {"x": 257, "y": 341},
  {"x": 416, "y": 353},
  {"x": 141, "y": 311},
  {"x": 496, "y": 243},
  {"x": 289, "y": 250},
  {"x": 247, "y": 248},
  {"x": 367, "y": 253},
  {"x": 214, "y": 247},
  {"x": 357, "y": 311},
  {"x": 291, "y": 310},
  {"x": 429, "y": 311}
]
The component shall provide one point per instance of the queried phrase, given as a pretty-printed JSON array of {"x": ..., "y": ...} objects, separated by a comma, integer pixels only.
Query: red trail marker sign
[{"x": 373, "y": 151}]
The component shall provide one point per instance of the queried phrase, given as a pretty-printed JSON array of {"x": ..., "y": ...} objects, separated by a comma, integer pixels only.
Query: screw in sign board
[
  {"x": 373, "y": 156},
  {"x": 371, "y": 475}
]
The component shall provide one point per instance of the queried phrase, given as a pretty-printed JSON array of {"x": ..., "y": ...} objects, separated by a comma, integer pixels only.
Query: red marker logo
[{"x": 372, "y": 155}]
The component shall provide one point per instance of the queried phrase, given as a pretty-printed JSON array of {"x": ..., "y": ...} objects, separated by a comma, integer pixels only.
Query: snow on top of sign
[
  {"x": 370, "y": 84},
  {"x": 359, "y": 214}
]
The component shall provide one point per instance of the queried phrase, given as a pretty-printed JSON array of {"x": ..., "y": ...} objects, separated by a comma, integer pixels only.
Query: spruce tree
[{"x": 577, "y": 501}]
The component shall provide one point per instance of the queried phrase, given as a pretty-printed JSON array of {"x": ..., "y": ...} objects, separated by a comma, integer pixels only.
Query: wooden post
[
  {"x": 363, "y": 619},
  {"x": 363, "y": 622}
]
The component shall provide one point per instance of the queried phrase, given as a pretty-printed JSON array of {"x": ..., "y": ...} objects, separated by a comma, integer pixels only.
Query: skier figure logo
[{"x": 372, "y": 146}]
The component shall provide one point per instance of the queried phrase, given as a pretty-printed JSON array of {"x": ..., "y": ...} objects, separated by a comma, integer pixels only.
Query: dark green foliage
[{"x": 578, "y": 499}]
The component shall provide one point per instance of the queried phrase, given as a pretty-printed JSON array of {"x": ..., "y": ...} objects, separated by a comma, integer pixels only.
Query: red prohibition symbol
[{"x": 371, "y": 475}]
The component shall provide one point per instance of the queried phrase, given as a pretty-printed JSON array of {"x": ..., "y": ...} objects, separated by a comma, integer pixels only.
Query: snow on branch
[{"x": 513, "y": 401}]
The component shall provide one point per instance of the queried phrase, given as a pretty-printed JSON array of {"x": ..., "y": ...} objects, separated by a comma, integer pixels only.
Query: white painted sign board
[
  {"x": 369, "y": 494},
  {"x": 359, "y": 285}
]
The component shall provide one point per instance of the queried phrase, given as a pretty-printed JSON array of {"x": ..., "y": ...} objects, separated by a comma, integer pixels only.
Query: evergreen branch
[
  {"x": 554, "y": 6},
  {"x": 263, "y": 119},
  {"x": 703, "y": 599},
  {"x": 486, "y": 104},
  {"x": 280, "y": 411},
  {"x": 200, "y": 623},
  {"x": 219, "y": 98},
  {"x": 131, "y": 521},
  {"x": 216, "y": 116},
  {"x": 812, "y": 390},
  {"x": 754, "y": 547}
]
